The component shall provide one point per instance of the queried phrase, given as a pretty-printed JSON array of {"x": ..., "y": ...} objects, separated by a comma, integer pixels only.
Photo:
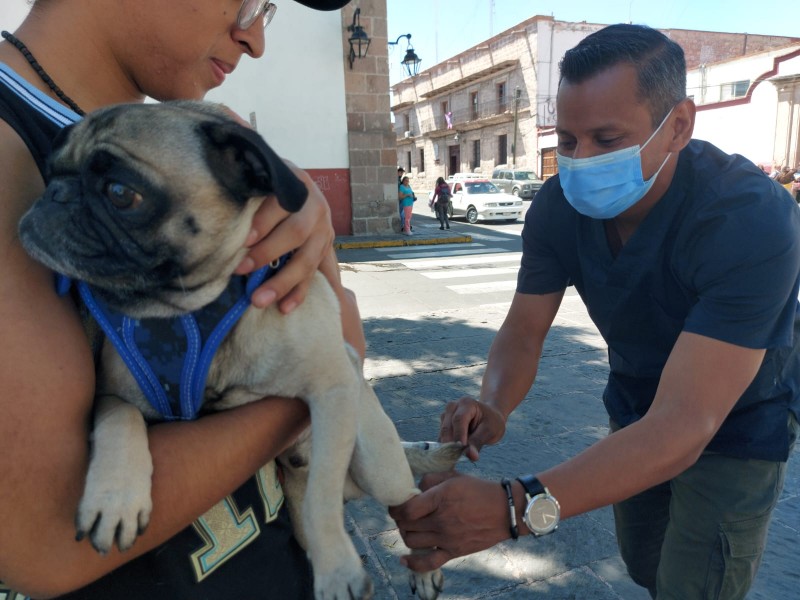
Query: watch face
[{"x": 542, "y": 514}]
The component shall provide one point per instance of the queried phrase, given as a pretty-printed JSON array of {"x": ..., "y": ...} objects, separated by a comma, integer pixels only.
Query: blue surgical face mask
[{"x": 606, "y": 185}]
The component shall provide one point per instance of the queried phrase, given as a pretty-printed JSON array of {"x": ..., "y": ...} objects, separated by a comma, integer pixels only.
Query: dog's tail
[{"x": 432, "y": 457}]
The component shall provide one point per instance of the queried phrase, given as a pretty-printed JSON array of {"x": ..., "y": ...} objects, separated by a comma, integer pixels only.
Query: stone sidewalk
[{"x": 417, "y": 363}]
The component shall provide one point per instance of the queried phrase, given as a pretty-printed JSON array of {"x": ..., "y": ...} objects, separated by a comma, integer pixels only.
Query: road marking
[
  {"x": 457, "y": 273},
  {"x": 485, "y": 287},
  {"x": 493, "y": 238},
  {"x": 411, "y": 249},
  {"x": 432, "y": 254},
  {"x": 477, "y": 259}
]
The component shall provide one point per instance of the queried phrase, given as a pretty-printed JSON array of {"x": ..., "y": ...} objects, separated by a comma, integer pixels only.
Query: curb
[{"x": 354, "y": 243}]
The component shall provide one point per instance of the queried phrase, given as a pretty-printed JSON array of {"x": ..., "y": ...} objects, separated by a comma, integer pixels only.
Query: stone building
[{"x": 494, "y": 104}]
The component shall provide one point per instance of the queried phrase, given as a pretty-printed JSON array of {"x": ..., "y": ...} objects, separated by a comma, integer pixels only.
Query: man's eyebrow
[{"x": 607, "y": 128}]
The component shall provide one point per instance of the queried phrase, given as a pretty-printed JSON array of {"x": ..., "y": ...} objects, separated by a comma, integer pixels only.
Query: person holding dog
[
  {"x": 219, "y": 527},
  {"x": 688, "y": 260}
]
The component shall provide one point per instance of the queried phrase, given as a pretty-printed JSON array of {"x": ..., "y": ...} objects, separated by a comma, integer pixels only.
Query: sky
[{"x": 441, "y": 29}]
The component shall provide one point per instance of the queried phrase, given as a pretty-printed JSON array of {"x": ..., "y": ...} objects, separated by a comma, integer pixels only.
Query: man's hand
[
  {"x": 456, "y": 515},
  {"x": 472, "y": 423}
]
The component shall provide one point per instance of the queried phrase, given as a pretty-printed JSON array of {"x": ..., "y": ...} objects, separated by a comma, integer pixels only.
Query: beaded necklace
[{"x": 42, "y": 73}]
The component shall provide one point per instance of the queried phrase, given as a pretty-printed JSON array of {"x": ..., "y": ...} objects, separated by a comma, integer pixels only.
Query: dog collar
[{"x": 170, "y": 358}]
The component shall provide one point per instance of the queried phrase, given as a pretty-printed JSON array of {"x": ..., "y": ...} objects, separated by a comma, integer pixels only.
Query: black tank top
[{"x": 243, "y": 548}]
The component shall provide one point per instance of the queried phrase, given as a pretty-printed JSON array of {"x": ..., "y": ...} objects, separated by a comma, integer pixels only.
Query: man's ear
[
  {"x": 244, "y": 164},
  {"x": 682, "y": 124}
]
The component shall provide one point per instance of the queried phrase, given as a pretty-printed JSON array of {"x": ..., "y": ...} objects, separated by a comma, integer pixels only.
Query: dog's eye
[{"x": 122, "y": 197}]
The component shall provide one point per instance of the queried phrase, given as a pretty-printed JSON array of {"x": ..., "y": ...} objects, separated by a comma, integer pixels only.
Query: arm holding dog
[{"x": 48, "y": 377}]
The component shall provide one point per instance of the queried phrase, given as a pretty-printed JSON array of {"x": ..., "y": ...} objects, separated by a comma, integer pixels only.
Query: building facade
[
  {"x": 751, "y": 105},
  {"x": 494, "y": 104}
]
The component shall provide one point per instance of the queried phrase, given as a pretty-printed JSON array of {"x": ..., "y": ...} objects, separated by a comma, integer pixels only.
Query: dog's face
[{"x": 151, "y": 204}]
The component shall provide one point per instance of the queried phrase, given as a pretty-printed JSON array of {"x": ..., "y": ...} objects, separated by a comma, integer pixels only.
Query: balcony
[{"x": 484, "y": 114}]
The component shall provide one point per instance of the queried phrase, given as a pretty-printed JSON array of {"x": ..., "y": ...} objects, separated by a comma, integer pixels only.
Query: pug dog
[{"x": 148, "y": 207}]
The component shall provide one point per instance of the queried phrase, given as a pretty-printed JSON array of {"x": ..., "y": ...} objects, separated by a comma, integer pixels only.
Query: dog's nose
[{"x": 61, "y": 190}]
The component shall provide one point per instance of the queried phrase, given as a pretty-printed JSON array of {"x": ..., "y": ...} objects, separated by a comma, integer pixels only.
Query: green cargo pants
[{"x": 701, "y": 535}]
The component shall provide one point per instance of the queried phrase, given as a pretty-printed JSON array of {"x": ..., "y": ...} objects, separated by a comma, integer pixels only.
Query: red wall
[{"x": 335, "y": 185}]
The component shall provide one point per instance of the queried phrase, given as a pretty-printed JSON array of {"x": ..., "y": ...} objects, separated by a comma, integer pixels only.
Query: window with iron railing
[
  {"x": 502, "y": 99},
  {"x": 483, "y": 110}
]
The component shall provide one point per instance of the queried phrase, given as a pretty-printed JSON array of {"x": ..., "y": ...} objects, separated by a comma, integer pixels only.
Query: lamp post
[
  {"x": 359, "y": 40},
  {"x": 410, "y": 61},
  {"x": 517, "y": 94}
]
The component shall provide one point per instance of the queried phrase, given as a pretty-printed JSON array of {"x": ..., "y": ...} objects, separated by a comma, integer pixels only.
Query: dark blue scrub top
[{"x": 718, "y": 255}]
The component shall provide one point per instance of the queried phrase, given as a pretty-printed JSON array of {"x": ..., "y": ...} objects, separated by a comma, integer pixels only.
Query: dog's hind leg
[
  {"x": 380, "y": 467},
  {"x": 338, "y": 571}
]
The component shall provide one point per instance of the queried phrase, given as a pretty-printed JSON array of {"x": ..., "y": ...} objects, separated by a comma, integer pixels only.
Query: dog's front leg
[{"x": 116, "y": 501}]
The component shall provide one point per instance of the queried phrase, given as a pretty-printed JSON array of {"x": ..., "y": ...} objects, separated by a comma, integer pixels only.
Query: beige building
[{"x": 494, "y": 104}]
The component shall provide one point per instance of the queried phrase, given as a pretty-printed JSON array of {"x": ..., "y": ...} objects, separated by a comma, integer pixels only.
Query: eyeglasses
[{"x": 251, "y": 10}]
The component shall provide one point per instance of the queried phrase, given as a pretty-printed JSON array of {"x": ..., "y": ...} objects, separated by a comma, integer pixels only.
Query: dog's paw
[
  {"x": 432, "y": 457},
  {"x": 115, "y": 507},
  {"x": 343, "y": 585},
  {"x": 427, "y": 586}
]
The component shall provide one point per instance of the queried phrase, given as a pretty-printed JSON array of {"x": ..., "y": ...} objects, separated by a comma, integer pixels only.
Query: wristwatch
[{"x": 543, "y": 512}]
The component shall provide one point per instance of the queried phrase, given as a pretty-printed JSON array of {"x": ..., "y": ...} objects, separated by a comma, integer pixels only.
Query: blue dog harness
[{"x": 170, "y": 358}]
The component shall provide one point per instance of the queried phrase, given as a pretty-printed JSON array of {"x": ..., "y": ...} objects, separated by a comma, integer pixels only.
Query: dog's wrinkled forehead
[{"x": 181, "y": 144}]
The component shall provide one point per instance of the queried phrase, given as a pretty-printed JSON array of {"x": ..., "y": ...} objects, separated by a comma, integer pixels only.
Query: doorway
[{"x": 454, "y": 163}]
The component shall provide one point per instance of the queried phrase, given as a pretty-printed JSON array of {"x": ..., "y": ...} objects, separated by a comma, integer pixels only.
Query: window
[
  {"x": 447, "y": 122},
  {"x": 407, "y": 122},
  {"x": 502, "y": 149},
  {"x": 476, "y": 154},
  {"x": 502, "y": 99},
  {"x": 421, "y": 160},
  {"x": 408, "y": 162},
  {"x": 739, "y": 88},
  {"x": 473, "y": 102},
  {"x": 736, "y": 89}
]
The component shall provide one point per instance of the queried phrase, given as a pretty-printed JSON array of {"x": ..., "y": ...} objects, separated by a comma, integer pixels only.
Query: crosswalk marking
[
  {"x": 460, "y": 261},
  {"x": 459, "y": 273},
  {"x": 493, "y": 238},
  {"x": 411, "y": 249},
  {"x": 434, "y": 253},
  {"x": 478, "y": 259},
  {"x": 484, "y": 287}
]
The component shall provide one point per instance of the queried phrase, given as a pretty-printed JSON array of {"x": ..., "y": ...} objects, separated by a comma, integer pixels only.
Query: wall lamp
[
  {"x": 410, "y": 61},
  {"x": 359, "y": 40}
]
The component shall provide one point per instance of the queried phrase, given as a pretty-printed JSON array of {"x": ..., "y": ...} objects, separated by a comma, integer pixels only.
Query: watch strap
[{"x": 533, "y": 487}]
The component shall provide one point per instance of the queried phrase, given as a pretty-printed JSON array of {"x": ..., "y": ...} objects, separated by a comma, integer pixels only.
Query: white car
[{"x": 481, "y": 200}]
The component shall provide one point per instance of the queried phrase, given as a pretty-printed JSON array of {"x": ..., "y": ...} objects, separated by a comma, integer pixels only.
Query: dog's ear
[
  {"x": 58, "y": 141},
  {"x": 243, "y": 163}
]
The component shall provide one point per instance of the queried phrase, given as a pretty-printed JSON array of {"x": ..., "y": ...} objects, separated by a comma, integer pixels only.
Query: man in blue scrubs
[{"x": 688, "y": 260}]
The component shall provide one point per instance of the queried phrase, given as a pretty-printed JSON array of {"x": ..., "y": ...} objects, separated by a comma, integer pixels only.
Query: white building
[
  {"x": 494, "y": 104},
  {"x": 751, "y": 105}
]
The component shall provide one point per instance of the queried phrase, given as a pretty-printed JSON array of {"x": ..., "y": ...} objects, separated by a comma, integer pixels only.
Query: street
[{"x": 430, "y": 314}]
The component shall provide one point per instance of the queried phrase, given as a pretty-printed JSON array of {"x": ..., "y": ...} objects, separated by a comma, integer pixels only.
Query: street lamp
[
  {"x": 410, "y": 61},
  {"x": 359, "y": 40}
]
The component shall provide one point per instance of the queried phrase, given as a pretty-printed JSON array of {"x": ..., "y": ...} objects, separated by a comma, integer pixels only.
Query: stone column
[{"x": 371, "y": 140}]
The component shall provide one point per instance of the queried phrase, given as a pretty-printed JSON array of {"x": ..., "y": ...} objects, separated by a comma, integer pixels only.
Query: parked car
[
  {"x": 480, "y": 199},
  {"x": 519, "y": 182}
]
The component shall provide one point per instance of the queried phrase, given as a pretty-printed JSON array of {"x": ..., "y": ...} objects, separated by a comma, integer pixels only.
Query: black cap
[{"x": 324, "y": 4}]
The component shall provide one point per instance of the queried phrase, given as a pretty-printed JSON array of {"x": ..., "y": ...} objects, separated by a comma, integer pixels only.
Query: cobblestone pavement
[{"x": 417, "y": 363}]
